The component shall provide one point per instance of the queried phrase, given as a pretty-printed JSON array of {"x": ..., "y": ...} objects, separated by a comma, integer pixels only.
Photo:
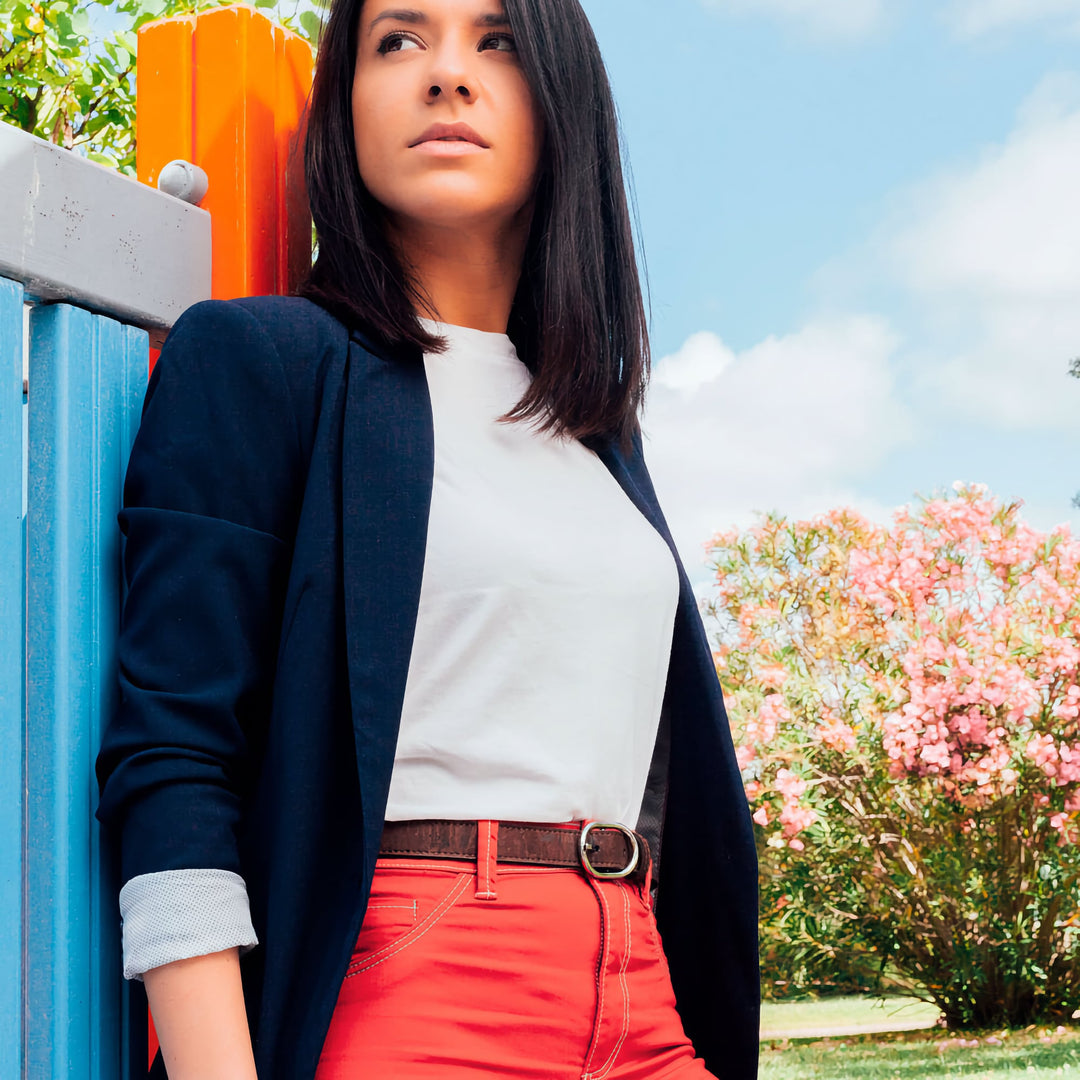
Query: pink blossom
[
  {"x": 788, "y": 784},
  {"x": 942, "y": 650},
  {"x": 835, "y": 732}
]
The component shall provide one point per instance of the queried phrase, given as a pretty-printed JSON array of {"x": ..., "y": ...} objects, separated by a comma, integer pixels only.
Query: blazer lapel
[
  {"x": 650, "y": 822},
  {"x": 387, "y": 469}
]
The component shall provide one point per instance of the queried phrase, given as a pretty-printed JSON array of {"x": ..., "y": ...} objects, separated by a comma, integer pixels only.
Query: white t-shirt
[{"x": 546, "y": 612}]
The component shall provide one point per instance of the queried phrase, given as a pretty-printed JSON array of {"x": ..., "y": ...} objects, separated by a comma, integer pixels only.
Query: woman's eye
[
  {"x": 396, "y": 42},
  {"x": 505, "y": 42}
]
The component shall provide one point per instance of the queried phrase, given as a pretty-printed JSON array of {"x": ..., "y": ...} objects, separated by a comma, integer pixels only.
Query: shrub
[{"x": 905, "y": 706}]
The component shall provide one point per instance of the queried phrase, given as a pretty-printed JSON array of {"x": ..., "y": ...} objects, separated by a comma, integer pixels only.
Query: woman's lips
[
  {"x": 450, "y": 140},
  {"x": 447, "y": 147}
]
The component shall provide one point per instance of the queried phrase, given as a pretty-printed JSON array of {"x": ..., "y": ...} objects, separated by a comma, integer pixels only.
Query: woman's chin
[{"x": 452, "y": 210}]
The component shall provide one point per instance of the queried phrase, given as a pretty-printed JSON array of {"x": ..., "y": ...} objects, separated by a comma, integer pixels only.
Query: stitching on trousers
[
  {"x": 417, "y": 932},
  {"x": 404, "y": 864},
  {"x": 607, "y": 1066},
  {"x": 506, "y": 869},
  {"x": 605, "y": 951}
]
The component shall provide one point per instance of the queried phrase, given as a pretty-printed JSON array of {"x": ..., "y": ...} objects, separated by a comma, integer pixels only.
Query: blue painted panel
[
  {"x": 122, "y": 358},
  {"x": 87, "y": 377},
  {"x": 60, "y": 653},
  {"x": 120, "y": 364},
  {"x": 12, "y": 680}
]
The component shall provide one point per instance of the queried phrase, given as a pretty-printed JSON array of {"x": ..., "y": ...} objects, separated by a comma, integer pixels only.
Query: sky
[{"x": 861, "y": 226}]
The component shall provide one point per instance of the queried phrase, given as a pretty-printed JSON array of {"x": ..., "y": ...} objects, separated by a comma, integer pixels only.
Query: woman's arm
[
  {"x": 198, "y": 1010},
  {"x": 210, "y": 495}
]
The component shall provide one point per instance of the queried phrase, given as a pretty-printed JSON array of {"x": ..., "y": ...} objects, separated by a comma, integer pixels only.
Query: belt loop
[{"x": 487, "y": 859}]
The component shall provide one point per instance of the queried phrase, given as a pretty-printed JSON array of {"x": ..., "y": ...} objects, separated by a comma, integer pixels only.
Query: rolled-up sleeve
[
  {"x": 177, "y": 914},
  {"x": 210, "y": 498}
]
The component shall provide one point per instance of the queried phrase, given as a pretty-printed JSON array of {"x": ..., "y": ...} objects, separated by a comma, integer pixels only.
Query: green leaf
[
  {"x": 311, "y": 23},
  {"x": 68, "y": 38},
  {"x": 151, "y": 8}
]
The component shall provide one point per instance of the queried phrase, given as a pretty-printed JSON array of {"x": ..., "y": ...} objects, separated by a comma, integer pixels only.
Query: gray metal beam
[{"x": 74, "y": 230}]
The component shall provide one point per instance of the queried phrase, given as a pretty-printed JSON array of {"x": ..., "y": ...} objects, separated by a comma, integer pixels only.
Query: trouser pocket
[{"x": 402, "y": 909}]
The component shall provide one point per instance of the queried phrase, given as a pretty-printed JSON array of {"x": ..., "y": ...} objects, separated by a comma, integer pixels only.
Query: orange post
[{"x": 225, "y": 90}]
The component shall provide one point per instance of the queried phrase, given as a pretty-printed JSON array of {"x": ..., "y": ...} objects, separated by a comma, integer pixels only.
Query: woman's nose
[
  {"x": 436, "y": 89},
  {"x": 449, "y": 75}
]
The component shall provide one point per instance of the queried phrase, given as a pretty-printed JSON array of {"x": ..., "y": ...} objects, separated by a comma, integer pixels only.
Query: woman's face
[{"x": 443, "y": 62}]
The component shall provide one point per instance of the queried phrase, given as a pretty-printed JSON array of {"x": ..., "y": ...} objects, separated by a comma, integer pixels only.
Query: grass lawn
[{"x": 1036, "y": 1053}]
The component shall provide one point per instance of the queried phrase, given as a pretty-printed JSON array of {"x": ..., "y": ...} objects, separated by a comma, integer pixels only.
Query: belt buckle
[{"x": 583, "y": 847}]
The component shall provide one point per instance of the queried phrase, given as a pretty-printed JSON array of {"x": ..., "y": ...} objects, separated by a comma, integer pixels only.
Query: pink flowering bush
[{"x": 906, "y": 711}]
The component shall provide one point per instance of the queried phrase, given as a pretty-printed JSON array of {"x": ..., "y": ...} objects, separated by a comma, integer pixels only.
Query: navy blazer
[{"x": 274, "y": 519}]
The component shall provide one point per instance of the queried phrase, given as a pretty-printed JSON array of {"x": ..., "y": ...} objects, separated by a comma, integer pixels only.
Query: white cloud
[
  {"x": 980, "y": 265},
  {"x": 1006, "y": 228},
  {"x": 988, "y": 255},
  {"x": 788, "y": 424},
  {"x": 838, "y": 20},
  {"x": 970, "y": 18}
]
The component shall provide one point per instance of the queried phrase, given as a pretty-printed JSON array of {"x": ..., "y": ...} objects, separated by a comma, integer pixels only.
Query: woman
[{"x": 421, "y": 767}]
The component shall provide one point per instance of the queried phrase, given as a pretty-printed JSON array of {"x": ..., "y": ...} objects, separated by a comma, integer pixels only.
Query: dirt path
[{"x": 840, "y": 1030}]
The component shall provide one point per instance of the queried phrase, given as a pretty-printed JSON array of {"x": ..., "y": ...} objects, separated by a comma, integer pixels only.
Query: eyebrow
[{"x": 410, "y": 15}]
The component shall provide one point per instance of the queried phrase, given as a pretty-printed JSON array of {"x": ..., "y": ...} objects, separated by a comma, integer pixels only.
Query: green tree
[{"x": 59, "y": 84}]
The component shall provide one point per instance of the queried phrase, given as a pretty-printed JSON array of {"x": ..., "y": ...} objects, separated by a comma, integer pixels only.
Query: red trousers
[{"x": 475, "y": 968}]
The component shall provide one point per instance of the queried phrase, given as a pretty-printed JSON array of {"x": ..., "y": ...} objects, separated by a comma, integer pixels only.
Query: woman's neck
[{"x": 469, "y": 275}]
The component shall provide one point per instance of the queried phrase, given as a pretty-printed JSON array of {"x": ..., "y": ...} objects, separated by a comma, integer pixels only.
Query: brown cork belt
[{"x": 602, "y": 849}]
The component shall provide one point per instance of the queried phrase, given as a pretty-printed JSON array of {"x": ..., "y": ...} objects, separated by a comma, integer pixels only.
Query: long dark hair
[{"x": 577, "y": 320}]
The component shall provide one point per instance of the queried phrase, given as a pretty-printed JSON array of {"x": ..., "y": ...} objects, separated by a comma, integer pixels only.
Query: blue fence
[{"x": 64, "y": 445}]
